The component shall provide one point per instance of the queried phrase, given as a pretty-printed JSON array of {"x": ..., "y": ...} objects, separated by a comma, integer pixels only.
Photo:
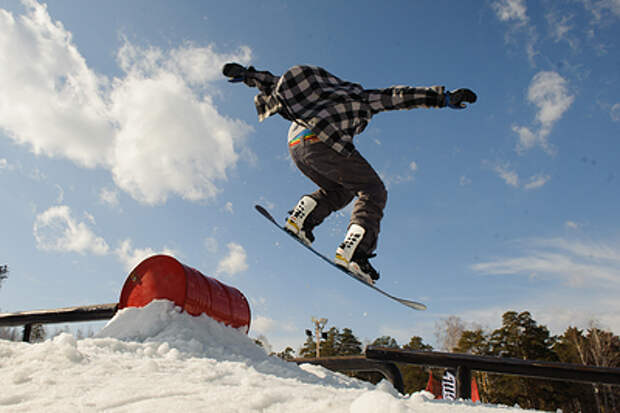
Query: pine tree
[
  {"x": 473, "y": 342},
  {"x": 329, "y": 345},
  {"x": 348, "y": 344},
  {"x": 521, "y": 337},
  {"x": 417, "y": 343},
  {"x": 5, "y": 333},
  {"x": 385, "y": 341},
  {"x": 286, "y": 354},
  {"x": 3, "y": 273},
  {"x": 414, "y": 377},
  {"x": 308, "y": 350}
]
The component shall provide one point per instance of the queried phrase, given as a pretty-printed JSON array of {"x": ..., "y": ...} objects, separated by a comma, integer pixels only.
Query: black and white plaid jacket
[{"x": 335, "y": 110}]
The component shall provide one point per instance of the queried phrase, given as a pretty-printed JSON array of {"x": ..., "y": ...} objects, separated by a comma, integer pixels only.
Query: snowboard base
[{"x": 409, "y": 303}]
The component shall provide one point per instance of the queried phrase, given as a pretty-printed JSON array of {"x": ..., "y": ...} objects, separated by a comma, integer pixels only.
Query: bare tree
[
  {"x": 448, "y": 332},
  {"x": 604, "y": 352}
]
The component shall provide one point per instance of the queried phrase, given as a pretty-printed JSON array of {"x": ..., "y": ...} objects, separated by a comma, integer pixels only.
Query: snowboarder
[{"x": 325, "y": 113}]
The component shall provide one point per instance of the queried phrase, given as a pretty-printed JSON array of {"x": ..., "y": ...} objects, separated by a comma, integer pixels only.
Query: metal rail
[
  {"x": 59, "y": 315},
  {"x": 465, "y": 363},
  {"x": 358, "y": 364}
]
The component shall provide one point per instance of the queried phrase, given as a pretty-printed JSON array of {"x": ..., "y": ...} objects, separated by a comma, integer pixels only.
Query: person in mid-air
[{"x": 325, "y": 113}]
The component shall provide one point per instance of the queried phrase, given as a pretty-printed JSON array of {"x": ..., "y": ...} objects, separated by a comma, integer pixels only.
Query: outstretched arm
[
  {"x": 263, "y": 80},
  {"x": 405, "y": 97}
]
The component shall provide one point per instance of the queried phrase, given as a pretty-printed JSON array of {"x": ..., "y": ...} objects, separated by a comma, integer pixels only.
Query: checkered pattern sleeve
[
  {"x": 405, "y": 97},
  {"x": 266, "y": 102},
  {"x": 262, "y": 80}
]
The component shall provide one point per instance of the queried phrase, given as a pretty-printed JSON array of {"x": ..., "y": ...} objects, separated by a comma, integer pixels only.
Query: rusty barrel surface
[{"x": 164, "y": 277}]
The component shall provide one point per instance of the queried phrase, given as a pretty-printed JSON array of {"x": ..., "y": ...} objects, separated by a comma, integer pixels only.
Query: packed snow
[{"x": 159, "y": 359}]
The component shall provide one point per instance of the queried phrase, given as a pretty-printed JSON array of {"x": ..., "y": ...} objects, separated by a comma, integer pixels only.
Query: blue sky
[{"x": 119, "y": 139}]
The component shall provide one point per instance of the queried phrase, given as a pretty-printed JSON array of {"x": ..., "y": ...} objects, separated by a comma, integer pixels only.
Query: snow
[{"x": 159, "y": 359}]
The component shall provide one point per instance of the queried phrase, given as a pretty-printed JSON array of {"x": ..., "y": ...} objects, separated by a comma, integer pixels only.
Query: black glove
[
  {"x": 457, "y": 98},
  {"x": 234, "y": 71}
]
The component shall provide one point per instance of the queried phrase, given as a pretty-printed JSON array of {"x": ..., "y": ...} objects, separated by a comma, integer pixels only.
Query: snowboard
[{"x": 411, "y": 304}]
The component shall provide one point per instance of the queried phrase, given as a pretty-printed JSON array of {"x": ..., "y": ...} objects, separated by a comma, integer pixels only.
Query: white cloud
[
  {"x": 508, "y": 10},
  {"x": 464, "y": 181},
  {"x": 61, "y": 194},
  {"x": 263, "y": 324},
  {"x": 576, "y": 262},
  {"x": 130, "y": 257},
  {"x": 155, "y": 128},
  {"x": 57, "y": 230},
  {"x": 234, "y": 262},
  {"x": 413, "y": 166},
  {"x": 537, "y": 181},
  {"x": 37, "y": 175},
  {"x": 391, "y": 180},
  {"x": 509, "y": 176},
  {"x": 266, "y": 203},
  {"x": 229, "y": 208},
  {"x": 600, "y": 8},
  {"x": 109, "y": 197},
  {"x": 169, "y": 140},
  {"x": 211, "y": 245},
  {"x": 572, "y": 225},
  {"x": 50, "y": 99},
  {"x": 549, "y": 93},
  {"x": 281, "y": 333},
  {"x": 615, "y": 112},
  {"x": 5, "y": 164},
  {"x": 560, "y": 28},
  {"x": 551, "y": 311},
  {"x": 514, "y": 12}
]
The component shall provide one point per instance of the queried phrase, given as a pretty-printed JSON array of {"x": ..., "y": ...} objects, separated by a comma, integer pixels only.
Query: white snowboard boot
[
  {"x": 295, "y": 222},
  {"x": 348, "y": 257}
]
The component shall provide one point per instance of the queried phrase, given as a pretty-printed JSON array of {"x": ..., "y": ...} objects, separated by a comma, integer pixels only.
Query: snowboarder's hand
[
  {"x": 457, "y": 98},
  {"x": 234, "y": 71}
]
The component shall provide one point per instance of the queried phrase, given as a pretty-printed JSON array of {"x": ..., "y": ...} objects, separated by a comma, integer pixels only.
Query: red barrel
[{"x": 163, "y": 277}]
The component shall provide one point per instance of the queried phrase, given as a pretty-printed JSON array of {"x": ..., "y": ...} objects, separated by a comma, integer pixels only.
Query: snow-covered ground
[{"x": 158, "y": 359}]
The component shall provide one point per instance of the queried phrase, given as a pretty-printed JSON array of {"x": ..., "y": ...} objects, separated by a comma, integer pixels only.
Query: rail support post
[
  {"x": 26, "y": 333},
  {"x": 463, "y": 382}
]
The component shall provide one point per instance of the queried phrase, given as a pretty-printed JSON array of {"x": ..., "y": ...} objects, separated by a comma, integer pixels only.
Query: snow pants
[{"x": 340, "y": 179}]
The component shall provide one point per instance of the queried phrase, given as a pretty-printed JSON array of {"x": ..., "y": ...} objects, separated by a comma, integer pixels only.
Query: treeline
[
  {"x": 520, "y": 336},
  {"x": 40, "y": 333},
  {"x": 344, "y": 343}
]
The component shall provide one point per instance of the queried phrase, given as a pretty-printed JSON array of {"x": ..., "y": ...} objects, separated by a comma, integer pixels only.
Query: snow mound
[{"x": 158, "y": 359}]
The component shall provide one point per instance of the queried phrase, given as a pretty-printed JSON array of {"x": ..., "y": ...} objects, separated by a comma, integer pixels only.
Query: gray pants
[{"x": 340, "y": 179}]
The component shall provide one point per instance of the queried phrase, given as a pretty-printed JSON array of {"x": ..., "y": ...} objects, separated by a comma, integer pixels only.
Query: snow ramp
[{"x": 161, "y": 359}]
